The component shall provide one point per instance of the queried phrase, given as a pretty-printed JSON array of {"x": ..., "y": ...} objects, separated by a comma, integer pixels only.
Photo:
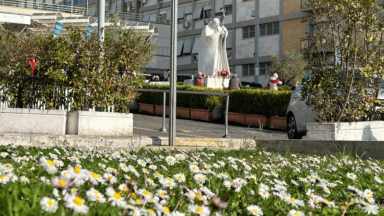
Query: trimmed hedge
[
  {"x": 246, "y": 101},
  {"x": 207, "y": 102},
  {"x": 259, "y": 102}
]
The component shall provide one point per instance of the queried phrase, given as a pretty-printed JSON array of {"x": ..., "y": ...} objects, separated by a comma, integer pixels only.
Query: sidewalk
[{"x": 147, "y": 125}]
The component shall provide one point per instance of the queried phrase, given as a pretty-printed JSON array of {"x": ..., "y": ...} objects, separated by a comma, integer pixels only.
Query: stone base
[
  {"x": 348, "y": 131},
  {"x": 32, "y": 121},
  {"x": 99, "y": 123}
]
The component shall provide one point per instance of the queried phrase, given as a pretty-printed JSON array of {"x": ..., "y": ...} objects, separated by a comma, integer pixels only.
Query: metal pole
[
  {"x": 226, "y": 117},
  {"x": 87, "y": 7},
  {"x": 257, "y": 48},
  {"x": 71, "y": 7},
  {"x": 172, "y": 95},
  {"x": 101, "y": 17},
  {"x": 164, "y": 104}
]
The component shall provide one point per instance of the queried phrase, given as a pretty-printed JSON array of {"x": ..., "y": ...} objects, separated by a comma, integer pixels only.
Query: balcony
[
  {"x": 30, "y": 7},
  {"x": 306, "y": 45}
]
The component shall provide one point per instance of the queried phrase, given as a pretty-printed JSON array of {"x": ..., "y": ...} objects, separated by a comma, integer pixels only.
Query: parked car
[
  {"x": 251, "y": 84},
  {"x": 299, "y": 113}
]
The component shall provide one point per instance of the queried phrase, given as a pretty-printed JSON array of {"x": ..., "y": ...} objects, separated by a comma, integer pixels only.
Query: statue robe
[{"x": 212, "y": 50}]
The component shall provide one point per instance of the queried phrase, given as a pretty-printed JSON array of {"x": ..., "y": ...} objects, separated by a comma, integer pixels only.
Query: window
[
  {"x": 264, "y": 68},
  {"x": 79, "y": 1},
  {"x": 269, "y": 28},
  {"x": 249, "y": 70},
  {"x": 68, "y": 3},
  {"x": 249, "y": 32}
]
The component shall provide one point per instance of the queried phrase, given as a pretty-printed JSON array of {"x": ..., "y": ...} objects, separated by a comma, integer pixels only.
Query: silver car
[{"x": 299, "y": 113}]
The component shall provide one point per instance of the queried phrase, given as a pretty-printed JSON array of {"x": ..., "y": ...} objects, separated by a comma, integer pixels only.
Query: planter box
[
  {"x": 159, "y": 110},
  {"x": 182, "y": 112},
  {"x": 238, "y": 118},
  {"x": 34, "y": 121},
  {"x": 146, "y": 108},
  {"x": 255, "y": 120},
  {"x": 99, "y": 123},
  {"x": 199, "y": 114},
  {"x": 277, "y": 122},
  {"x": 348, "y": 131}
]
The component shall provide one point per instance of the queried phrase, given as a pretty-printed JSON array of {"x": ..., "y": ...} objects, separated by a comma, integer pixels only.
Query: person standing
[
  {"x": 235, "y": 82},
  {"x": 199, "y": 81},
  {"x": 274, "y": 82},
  {"x": 169, "y": 76},
  {"x": 295, "y": 86}
]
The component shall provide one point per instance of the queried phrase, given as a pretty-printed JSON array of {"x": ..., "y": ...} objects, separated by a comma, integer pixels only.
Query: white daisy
[
  {"x": 378, "y": 180},
  {"x": 351, "y": 176},
  {"x": 95, "y": 196},
  {"x": 24, "y": 179},
  {"x": 116, "y": 199},
  {"x": 194, "y": 169},
  {"x": 48, "y": 165},
  {"x": 255, "y": 210},
  {"x": 179, "y": 177},
  {"x": 294, "y": 212},
  {"x": 76, "y": 203},
  {"x": 170, "y": 160},
  {"x": 49, "y": 205},
  {"x": 145, "y": 194},
  {"x": 199, "y": 210},
  {"x": 200, "y": 178},
  {"x": 371, "y": 209}
]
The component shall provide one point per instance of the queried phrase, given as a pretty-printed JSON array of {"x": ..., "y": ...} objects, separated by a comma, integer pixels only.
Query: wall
[
  {"x": 269, "y": 7},
  {"x": 199, "y": 24},
  {"x": 244, "y": 10},
  {"x": 293, "y": 30},
  {"x": 244, "y": 47},
  {"x": 150, "y": 2},
  {"x": 183, "y": 60},
  {"x": 160, "y": 62},
  {"x": 269, "y": 45},
  {"x": 291, "y": 6}
]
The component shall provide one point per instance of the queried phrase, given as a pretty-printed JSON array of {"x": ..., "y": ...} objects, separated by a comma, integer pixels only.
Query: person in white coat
[{"x": 273, "y": 82}]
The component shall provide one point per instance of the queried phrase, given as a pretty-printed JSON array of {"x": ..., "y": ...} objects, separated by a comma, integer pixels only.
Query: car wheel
[{"x": 292, "y": 129}]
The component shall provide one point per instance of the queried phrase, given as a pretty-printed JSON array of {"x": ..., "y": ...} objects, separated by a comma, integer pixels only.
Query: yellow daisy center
[
  {"x": 166, "y": 209},
  {"x": 117, "y": 195},
  {"x": 49, "y": 202},
  {"x": 150, "y": 211},
  {"x": 146, "y": 192},
  {"x": 2, "y": 177},
  {"x": 255, "y": 211},
  {"x": 93, "y": 174},
  {"x": 77, "y": 170},
  {"x": 297, "y": 213},
  {"x": 199, "y": 209},
  {"x": 78, "y": 201},
  {"x": 62, "y": 182},
  {"x": 293, "y": 199},
  {"x": 50, "y": 163}
]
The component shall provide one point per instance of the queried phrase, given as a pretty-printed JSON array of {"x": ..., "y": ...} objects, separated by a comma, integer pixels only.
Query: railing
[
  {"x": 44, "y": 6},
  {"x": 304, "y": 4},
  {"x": 191, "y": 92},
  {"x": 305, "y": 44},
  {"x": 41, "y": 106}
]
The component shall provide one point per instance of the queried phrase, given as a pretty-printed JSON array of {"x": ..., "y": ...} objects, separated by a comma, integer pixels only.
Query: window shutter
[
  {"x": 229, "y": 40},
  {"x": 180, "y": 14},
  {"x": 197, "y": 12},
  {"x": 180, "y": 44},
  {"x": 187, "y": 46},
  {"x": 218, "y": 4},
  {"x": 195, "y": 49}
]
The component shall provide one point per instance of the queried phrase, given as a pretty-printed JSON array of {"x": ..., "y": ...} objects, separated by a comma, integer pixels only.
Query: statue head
[{"x": 215, "y": 23}]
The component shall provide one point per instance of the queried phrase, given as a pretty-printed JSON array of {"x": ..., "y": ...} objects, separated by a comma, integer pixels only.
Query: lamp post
[
  {"x": 257, "y": 66},
  {"x": 101, "y": 17},
  {"x": 173, "y": 68}
]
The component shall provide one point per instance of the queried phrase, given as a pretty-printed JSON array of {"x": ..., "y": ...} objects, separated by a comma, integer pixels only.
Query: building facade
[{"x": 281, "y": 30}]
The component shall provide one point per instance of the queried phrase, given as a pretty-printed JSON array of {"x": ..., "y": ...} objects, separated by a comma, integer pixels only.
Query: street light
[{"x": 257, "y": 66}]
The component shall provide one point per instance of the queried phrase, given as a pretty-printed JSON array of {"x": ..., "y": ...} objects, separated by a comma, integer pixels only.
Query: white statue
[{"x": 212, "y": 49}]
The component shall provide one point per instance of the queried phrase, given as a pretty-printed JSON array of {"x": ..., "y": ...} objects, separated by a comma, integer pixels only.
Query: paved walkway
[{"x": 148, "y": 125}]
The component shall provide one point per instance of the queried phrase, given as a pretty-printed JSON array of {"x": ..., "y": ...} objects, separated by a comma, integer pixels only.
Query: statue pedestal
[{"x": 216, "y": 83}]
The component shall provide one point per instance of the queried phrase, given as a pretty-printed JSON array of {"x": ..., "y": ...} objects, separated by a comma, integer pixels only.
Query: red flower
[{"x": 106, "y": 80}]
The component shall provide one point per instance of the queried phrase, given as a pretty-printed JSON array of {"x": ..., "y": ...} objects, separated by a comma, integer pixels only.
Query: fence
[
  {"x": 191, "y": 92},
  {"x": 44, "y": 6}
]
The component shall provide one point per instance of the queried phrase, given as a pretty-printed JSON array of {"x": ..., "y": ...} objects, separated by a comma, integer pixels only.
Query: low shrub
[
  {"x": 259, "y": 102},
  {"x": 208, "y": 102},
  {"x": 246, "y": 101}
]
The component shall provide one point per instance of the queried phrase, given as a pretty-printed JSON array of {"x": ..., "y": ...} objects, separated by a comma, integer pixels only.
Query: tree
[
  {"x": 289, "y": 70},
  {"x": 345, "y": 59},
  {"x": 73, "y": 70}
]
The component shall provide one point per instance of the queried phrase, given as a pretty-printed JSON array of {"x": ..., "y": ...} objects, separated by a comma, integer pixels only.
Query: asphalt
[{"x": 148, "y": 125}]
